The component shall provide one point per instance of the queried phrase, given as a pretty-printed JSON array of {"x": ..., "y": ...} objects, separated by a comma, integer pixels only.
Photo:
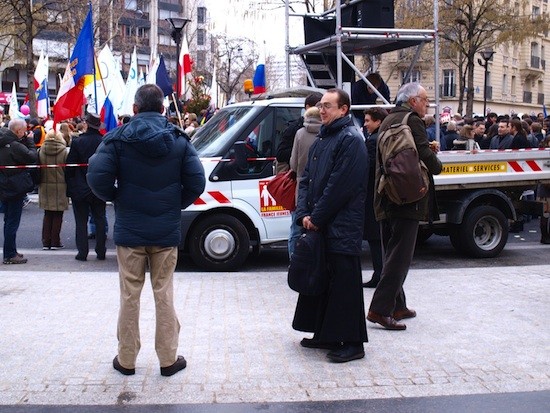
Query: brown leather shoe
[
  {"x": 388, "y": 323},
  {"x": 402, "y": 314}
]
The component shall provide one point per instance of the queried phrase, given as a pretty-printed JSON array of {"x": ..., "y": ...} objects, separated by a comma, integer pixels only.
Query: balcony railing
[
  {"x": 527, "y": 97},
  {"x": 540, "y": 98}
]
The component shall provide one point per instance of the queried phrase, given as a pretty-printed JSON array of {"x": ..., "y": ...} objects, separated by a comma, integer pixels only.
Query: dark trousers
[
  {"x": 51, "y": 228},
  {"x": 398, "y": 241},
  {"x": 81, "y": 211},
  {"x": 12, "y": 218},
  {"x": 338, "y": 315}
]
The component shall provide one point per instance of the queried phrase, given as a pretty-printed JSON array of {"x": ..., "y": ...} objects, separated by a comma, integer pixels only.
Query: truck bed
[{"x": 493, "y": 168}]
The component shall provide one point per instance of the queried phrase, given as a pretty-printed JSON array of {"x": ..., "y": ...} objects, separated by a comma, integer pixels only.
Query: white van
[{"x": 236, "y": 214}]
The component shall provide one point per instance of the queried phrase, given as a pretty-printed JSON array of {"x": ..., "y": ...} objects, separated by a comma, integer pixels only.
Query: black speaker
[{"x": 370, "y": 14}]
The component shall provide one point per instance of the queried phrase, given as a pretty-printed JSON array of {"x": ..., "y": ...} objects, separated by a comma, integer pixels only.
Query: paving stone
[{"x": 237, "y": 337}]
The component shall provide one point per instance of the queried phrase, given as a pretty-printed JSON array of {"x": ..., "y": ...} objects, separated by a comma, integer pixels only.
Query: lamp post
[
  {"x": 487, "y": 56},
  {"x": 178, "y": 24}
]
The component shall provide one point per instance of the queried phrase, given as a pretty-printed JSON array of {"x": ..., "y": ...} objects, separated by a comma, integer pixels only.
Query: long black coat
[
  {"x": 82, "y": 148},
  {"x": 333, "y": 188},
  {"x": 371, "y": 230}
]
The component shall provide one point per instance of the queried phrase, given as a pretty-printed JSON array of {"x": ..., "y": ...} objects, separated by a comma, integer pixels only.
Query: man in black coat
[
  {"x": 331, "y": 199},
  {"x": 16, "y": 148},
  {"x": 83, "y": 200}
]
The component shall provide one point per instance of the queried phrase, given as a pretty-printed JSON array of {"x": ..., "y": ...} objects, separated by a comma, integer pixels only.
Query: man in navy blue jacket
[
  {"x": 331, "y": 199},
  {"x": 157, "y": 173}
]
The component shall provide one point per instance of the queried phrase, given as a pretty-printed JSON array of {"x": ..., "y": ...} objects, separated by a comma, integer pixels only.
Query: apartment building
[
  {"x": 122, "y": 25},
  {"x": 517, "y": 78}
]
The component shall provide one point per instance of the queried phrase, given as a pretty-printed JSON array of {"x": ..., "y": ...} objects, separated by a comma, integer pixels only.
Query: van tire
[
  {"x": 484, "y": 232},
  {"x": 219, "y": 243}
]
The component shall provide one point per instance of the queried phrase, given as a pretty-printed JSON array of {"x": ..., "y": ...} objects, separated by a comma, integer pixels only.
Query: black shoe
[
  {"x": 80, "y": 258},
  {"x": 101, "y": 257},
  {"x": 180, "y": 364},
  {"x": 347, "y": 352},
  {"x": 373, "y": 283},
  {"x": 314, "y": 343},
  {"x": 123, "y": 370}
]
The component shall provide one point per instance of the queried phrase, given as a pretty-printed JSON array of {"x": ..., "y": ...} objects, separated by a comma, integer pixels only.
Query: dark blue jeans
[{"x": 12, "y": 217}]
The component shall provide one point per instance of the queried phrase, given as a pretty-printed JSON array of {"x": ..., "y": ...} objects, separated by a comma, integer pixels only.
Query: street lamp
[
  {"x": 178, "y": 24},
  {"x": 487, "y": 56}
]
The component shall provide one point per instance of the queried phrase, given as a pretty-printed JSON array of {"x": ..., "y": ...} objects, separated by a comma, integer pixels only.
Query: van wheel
[
  {"x": 219, "y": 243},
  {"x": 484, "y": 232}
]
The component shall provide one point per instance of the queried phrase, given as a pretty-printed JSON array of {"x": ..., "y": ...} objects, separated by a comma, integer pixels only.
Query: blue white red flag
[{"x": 78, "y": 74}]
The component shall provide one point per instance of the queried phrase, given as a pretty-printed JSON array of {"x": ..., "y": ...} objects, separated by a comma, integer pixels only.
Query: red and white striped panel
[
  {"x": 212, "y": 196},
  {"x": 525, "y": 166}
]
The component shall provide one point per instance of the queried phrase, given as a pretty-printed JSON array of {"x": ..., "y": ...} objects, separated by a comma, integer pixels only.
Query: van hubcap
[{"x": 219, "y": 244}]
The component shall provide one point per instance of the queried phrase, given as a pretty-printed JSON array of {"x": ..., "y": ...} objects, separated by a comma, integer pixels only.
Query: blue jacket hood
[{"x": 149, "y": 132}]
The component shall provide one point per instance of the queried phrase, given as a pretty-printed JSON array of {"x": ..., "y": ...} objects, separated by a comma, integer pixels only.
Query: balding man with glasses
[{"x": 399, "y": 223}]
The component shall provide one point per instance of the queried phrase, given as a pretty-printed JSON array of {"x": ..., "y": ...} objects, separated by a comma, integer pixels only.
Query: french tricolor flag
[{"x": 259, "y": 75}]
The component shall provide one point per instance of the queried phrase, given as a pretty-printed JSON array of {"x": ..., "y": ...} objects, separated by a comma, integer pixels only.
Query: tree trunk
[
  {"x": 29, "y": 61},
  {"x": 470, "y": 84}
]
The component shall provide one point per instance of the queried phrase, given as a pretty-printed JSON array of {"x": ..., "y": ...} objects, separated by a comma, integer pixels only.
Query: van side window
[{"x": 284, "y": 117}]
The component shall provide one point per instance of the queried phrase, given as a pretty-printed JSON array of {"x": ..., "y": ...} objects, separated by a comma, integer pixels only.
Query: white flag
[
  {"x": 112, "y": 79},
  {"x": 13, "y": 110},
  {"x": 131, "y": 87}
]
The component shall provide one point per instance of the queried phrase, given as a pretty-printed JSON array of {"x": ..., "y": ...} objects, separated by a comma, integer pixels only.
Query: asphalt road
[{"x": 522, "y": 249}]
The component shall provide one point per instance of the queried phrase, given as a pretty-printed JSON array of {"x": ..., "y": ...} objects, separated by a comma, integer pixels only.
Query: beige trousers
[{"x": 132, "y": 263}]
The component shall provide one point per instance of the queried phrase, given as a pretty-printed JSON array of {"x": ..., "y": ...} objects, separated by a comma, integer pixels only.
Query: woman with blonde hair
[
  {"x": 52, "y": 197},
  {"x": 66, "y": 132}
]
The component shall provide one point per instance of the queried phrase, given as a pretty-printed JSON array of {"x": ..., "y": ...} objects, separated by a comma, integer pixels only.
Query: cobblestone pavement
[{"x": 478, "y": 331}]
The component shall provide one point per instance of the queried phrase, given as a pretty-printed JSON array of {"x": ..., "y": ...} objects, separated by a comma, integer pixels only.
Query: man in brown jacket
[{"x": 399, "y": 223}]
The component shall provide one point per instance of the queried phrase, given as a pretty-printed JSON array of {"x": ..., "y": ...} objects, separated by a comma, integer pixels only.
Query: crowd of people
[{"x": 494, "y": 132}]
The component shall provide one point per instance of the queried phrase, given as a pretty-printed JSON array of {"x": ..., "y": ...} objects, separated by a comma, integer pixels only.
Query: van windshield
[{"x": 212, "y": 138}]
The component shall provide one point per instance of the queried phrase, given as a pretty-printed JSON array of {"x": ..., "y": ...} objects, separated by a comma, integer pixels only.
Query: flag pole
[
  {"x": 95, "y": 59},
  {"x": 177, "y": 109}
]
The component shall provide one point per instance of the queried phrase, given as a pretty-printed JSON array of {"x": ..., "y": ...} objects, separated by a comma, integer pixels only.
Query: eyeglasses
[{"x": 326, "y": 106}]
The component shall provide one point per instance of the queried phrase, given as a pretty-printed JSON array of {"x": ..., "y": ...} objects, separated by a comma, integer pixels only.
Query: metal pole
[
  {"x": 436, "y": 74},
  {"x": 287, "y": 43},
  {"x": 338, "y": 45},
  {"x": 485, "y": 66},
  {"x": 178, "y": 68}
]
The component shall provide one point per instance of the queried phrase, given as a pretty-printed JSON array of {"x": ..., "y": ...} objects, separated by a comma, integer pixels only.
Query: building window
[
  {"x": 449, "y": 84},
  {"x": 535, "y": 12},
  {"x": 201, "y": 15},
  {"x": 535, "y": 56},
  {"x": 201, "y": 37},
  {"x": 413, "y": 77},
  {"x": 513, "y": 86},
  {"x": 504, "y": 84}
]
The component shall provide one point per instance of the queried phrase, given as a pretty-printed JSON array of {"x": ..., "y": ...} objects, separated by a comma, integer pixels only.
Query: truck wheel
[
  {"x": 219, "y": 243},
  {"x": 484, "y": 232}
]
